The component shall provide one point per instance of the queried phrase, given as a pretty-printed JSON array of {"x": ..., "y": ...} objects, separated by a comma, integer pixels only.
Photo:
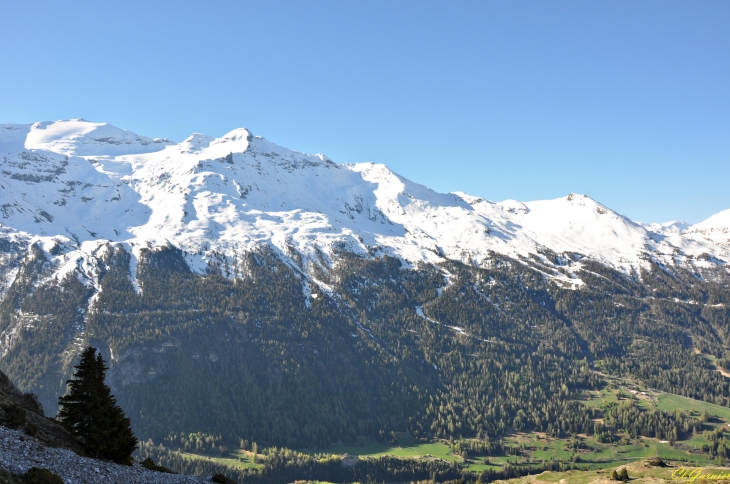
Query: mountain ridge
[{"x": 77, "y": 185}]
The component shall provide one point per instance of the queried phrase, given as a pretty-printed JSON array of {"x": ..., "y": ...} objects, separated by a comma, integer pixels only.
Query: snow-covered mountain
[
  {"x": 74, "y": 186},
  {"x": 715, "y": 229},
  {"x": 300, "y": 342},
  {"x": 667, "y": 228}
]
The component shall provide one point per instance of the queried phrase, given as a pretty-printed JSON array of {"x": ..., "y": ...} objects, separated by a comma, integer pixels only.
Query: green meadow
[
  {"x": 237, "y": 459},
  {"x": 535, "y": 448},
  {"x": 406, "y": 448}
]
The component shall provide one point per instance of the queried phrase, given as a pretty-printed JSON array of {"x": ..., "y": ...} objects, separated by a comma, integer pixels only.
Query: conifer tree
[{"x": 90, "y": 412}]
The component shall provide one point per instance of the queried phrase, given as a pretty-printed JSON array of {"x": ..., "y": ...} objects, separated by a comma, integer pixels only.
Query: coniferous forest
[{"x": 449, "y": 351}]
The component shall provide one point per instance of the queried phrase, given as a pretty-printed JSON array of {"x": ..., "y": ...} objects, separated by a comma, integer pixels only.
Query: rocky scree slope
[
  {"x": 40, "y": 442},
  {"x": 19, "y": 453}
]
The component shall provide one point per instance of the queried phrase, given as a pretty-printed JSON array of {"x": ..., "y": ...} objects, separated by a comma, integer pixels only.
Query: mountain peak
[
  {"x": 580, "y": 199},
  {"x": 715, "y": 229},
  {"x": 196, "y": 142},
  {"x": 79, "y": 137},
  {"x": 237, "y": 134},
  {"x": 674, "y": 227}
]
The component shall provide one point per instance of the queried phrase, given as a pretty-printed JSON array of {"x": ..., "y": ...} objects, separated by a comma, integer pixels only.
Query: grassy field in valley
[{"x": 534, "y": 448}]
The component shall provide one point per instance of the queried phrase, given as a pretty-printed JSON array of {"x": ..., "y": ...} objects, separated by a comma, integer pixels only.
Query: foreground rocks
[
  {"x": 19, "y": 452},
  {"x": 46, "y": 430}
]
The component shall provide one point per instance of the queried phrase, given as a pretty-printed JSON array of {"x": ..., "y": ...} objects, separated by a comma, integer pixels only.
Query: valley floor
[{"x": 592, "y": 460}]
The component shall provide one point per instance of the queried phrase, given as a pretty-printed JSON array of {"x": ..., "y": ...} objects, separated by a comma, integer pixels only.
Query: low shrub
[
  {"x": 31, "y": 429},
  {"x": 221, "y": 479},
  {"x": 148, "y": 463},
  {"x": 36, "y": 475},
  {"x": 14, "y": 416}
]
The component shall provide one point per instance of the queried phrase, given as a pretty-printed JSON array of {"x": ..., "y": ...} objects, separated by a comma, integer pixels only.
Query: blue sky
[{"x": 628, "y": 102}]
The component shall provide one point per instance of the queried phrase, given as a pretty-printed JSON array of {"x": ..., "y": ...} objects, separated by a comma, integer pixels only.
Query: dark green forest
[{"x": 441, "y": 351}]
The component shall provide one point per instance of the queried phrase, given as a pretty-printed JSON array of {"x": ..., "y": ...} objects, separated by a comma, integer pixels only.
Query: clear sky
[{"x": 626, "y": 101}]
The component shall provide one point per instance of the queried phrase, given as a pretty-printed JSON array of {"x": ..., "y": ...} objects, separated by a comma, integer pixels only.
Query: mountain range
[
  {"x": 340, "y": 299},
  {"x": 81, "y": 185}
]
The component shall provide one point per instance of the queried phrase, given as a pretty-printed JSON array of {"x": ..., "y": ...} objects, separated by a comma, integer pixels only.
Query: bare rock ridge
[{"x": 25, "y": 400}]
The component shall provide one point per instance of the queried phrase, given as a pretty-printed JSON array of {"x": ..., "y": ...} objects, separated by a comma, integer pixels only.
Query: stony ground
[{"x": 18, "y": 453}]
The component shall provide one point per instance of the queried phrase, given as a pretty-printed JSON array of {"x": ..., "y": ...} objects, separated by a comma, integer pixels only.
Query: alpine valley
[{"x": 245, "y": 291}]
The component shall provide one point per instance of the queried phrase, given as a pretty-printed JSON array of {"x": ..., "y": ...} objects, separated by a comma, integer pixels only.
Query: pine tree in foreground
[{"x": 90, "y": 412}]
